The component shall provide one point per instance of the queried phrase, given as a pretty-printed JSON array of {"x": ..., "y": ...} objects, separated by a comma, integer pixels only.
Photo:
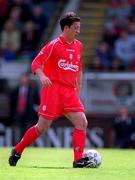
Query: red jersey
[{"x": 61, "y": 61}]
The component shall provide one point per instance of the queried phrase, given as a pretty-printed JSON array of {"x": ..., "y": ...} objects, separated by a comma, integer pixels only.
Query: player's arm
[
  {"x": 38, "y": 63},
  {"x": 37, "y": 70},
  {"x": 43, "y": 78},
  {"x": 79, "y": 78},
  {"x": 79, "y": 82}
]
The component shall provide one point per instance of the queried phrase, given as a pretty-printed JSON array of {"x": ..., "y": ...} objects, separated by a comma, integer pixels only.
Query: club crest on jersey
[
  {"x": 44, "y": 108},
  {"x": 62, "y": 63},
  {"x": 70, "y": 56}
]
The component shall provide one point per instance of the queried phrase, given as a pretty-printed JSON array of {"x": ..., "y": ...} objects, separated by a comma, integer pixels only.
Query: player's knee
[
  {"x": 82, "y": 124},
  {"x": 43, "y": 125},
  {"x": 40, "y": 129}
]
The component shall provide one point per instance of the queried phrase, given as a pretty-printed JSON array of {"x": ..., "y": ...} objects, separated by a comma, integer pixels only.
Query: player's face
[{"x": 74, "y": 30}]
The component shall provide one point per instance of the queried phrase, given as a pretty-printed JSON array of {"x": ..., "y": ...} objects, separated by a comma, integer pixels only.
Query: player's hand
[{"x": 45, "y": 81}]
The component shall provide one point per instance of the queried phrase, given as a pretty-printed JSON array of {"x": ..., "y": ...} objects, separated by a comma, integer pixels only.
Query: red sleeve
[
  {"x": 42, "y": 56},
  {"x": 81, "y": 47}
]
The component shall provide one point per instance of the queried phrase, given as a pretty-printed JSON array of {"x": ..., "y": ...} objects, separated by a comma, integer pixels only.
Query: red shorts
[{"x": 58, "y": 100}]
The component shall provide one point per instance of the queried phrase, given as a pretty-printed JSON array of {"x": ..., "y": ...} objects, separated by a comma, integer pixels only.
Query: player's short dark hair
[{"x": 68, "y": 19}]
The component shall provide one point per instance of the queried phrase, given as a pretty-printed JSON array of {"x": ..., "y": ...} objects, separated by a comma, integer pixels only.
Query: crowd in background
[
  {"x": 22, "y": 23},
  {"x": 123, "y": 129},
  {"x": 116, "y": 51}
]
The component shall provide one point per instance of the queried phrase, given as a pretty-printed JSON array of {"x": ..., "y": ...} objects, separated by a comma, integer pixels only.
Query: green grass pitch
[{"x": 56, "y": 164}]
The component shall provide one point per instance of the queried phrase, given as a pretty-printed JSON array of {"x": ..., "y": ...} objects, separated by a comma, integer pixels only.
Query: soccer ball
[{"x": 94, "y": 157}]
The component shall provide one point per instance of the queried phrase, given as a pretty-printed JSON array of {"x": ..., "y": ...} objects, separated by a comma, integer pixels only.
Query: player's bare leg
[
  {"x": 80, "y": 123},
  {"x": 29, "y": 137},
  {"x": 78, "y": 119}
]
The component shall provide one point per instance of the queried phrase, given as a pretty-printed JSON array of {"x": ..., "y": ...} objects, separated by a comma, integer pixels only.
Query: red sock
[
  {"x": 78, "y": 142},
  {"x": 29, "y": 137}
]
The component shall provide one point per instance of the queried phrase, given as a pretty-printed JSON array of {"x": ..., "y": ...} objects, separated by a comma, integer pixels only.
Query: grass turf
[{"x": 56, "y": 164}]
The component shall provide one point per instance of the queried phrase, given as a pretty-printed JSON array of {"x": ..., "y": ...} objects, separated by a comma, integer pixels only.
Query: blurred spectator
[
  {"x": 29, "y": 19},
  {"x": 133, "y": 8},
  {"x": 119, "y": 34},
  {"x": 26, "y": 13},
  {"x": 120, "y": 8},
  {"x": 29, "y": 40},
  {"x": 3, "y": 12},
  {"x": 115, "y": 3},
  {"x": 132, "y": 66},
  {"x": 10, "y": 40},
  {"x": 131, "y": 24},
  {"x": 117, "y": 66},
  {"x": 4, "y": 102},
  {"x": 24, "y": 102},
  {"x": 104, "y": 53},
  {"x": 96, "y": 65},
  {"x": 14, "y": 15},
  {"x": 39, "y": 19},
  {"x": 125, "y": 48},
  {"x": 124, "y": 129},
  {"x": 132, "y": 2},
  {"x": 112, "y": 30}
]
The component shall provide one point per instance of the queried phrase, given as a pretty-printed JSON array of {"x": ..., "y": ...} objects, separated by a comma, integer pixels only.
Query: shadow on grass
[{"x": 41, "y": 167}]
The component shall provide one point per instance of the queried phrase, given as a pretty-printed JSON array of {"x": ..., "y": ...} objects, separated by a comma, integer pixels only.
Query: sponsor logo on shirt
[
  {"x": 62, "y": 63},
  {"x": 44, "y": 108}
]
